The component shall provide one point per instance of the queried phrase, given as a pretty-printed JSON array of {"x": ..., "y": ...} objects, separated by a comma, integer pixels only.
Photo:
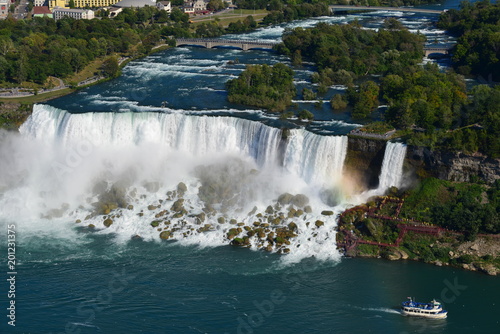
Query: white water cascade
[
  {"x": 66, "y": 165},
  {"x": 315, "y": 159},
  {"x": 318, "y": 160},
  {"x": 391, "y": 174},
  {"x": 194, "y": 135}
]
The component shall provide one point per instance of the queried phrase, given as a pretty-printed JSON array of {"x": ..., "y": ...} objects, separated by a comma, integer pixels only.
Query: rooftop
[{"x": 39, "y": 10}]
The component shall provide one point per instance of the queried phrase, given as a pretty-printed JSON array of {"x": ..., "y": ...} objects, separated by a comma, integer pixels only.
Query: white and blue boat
[{"x": 432, "y": 310}]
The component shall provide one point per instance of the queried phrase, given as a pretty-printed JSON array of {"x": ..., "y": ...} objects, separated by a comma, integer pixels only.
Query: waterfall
[
  {"x": 196, "y": 135},
  {"x": 392, "y": 166},
  {"x": 315, "y": 159},
  {"x": 73, "y": 167}
]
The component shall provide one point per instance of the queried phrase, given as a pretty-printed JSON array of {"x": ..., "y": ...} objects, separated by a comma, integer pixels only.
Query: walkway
[
  {"x": 25, "y": 92},
  {"x": 351, "y": 240}
]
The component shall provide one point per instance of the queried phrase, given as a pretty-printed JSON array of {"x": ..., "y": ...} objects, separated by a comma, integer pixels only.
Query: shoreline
[
  {"x": 363, "y": 233},
  {"x": 66, "y": 90},
  {"x": 14, "y": 110}
]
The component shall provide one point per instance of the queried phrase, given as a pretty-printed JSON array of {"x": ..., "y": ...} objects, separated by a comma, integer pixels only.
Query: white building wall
[
  {"x": 40, "y": 3},
  {"x": 4, "y": 9},
  {"x": 77, "y": 14}
]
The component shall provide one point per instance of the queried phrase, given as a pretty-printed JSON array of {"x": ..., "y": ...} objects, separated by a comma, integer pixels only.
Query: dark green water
[{"x": 162, "y": 288}]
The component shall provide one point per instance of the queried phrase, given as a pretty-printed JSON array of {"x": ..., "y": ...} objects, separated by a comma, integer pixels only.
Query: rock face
[
  {"x": 364, "y": 160},
  {"x": 365, "y": 156},
  {"x": 453, "y": 166}
]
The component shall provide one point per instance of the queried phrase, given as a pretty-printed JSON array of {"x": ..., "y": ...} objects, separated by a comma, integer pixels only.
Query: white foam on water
[
  {"x": 381, "y": 309},
  {"x": 64, "y": 162}
]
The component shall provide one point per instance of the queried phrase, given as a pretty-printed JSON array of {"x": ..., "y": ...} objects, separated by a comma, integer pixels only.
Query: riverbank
[
  {"x": 16, "y": 109},
  {"x": 376, "y": 230},
  {"x": 13, "y": 114}
]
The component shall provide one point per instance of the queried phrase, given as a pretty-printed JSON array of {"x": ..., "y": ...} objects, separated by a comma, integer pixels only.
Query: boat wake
[{"x": 381, "y": 310}]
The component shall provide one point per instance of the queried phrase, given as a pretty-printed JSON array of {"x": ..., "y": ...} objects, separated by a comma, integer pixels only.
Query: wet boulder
[
  {"x": 165, "y": 235},
  {"x": 242, "y": 242},
  {"x": 300, "y": 200},
  {"x": 232, "y": 233},
  {"x": 285, "y": 199},
  {"x": 107, "y": 222},
  {"x": 319, "y": 223},
  {"x": 178, "y": 205},
  {"x": 181, "y": 189}
]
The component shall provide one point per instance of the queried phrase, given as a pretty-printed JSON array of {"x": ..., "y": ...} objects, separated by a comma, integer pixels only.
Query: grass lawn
[
  {"x": 88, "y": 72},
  {"x": 245, "y": 12},
  {"x": 231, "y": 16}
]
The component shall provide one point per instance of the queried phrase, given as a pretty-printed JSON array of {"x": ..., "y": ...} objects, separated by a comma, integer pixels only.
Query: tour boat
[{"x": 428, "y": 310}]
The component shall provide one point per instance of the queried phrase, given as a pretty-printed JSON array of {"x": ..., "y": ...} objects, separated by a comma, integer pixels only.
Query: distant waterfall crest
[
  {"x": 391, "y": 174},
  {"x": 192, "y": 134}
]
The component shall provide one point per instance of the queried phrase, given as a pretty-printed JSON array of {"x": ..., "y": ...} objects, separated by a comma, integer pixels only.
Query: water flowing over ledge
[
  {"x": 200, "y": 180},
  {"x": 391, "y": 174},
  {"x": 311, "y": 157}
]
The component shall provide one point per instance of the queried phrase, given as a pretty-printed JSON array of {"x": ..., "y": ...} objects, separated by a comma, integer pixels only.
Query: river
[{"x": 166, "y": 121}]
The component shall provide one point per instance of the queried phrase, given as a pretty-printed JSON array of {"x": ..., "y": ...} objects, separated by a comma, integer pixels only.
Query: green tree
[
  {"x": 6, "y": 45},
  {"x": 306, "y": 115},
  {"x": 263, "y": 86},
  {"x": 308, "y": 94},
  {"x": 365, "y": 100},
  {"x": 110, "y": 67},
  {"x": 338, "y": 102}
]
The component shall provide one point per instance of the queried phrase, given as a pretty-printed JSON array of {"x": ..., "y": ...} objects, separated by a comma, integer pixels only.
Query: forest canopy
[
  {"x": 263, "y": 86},
  {"x": 477, "y": 27},
  {"x": 32, "y": 50},
  {"x": 351, "y": 48}
]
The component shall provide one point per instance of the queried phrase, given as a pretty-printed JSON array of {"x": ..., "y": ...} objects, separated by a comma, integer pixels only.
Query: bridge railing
[{"x": 229, "y": 41}]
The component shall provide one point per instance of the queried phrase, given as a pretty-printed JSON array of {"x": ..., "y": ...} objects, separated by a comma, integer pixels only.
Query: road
[{"x": 21, "y": 10}]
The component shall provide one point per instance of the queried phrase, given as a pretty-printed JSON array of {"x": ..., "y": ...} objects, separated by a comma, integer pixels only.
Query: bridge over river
[
  {"x": 245, "y": 44},
  {"x": 339, "y": 8},
  {"x": 238, "y": 43}
]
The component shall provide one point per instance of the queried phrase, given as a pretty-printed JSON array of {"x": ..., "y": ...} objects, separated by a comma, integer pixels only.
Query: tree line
[
  {"x": 32, "y": 50},
  {"x": 435, "y": 106},
  {"x": 467, "y": 208}
]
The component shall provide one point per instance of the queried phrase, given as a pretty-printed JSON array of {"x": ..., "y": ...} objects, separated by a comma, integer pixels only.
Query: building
[
  {"x": 78, "y": 14},
  {"x": 194, "y": 6},
  {"x": 200, "y": 5},
  {"x": 4, "y": 9},
  {"x": 81, "y": 3},
  {"x": 94, "y": 3},
  {"x": 135, "y": 3},
  {"x": 42, "y": 11},
  {"x": 113, "y": 11},
  {"x": 58, "y": 3},
  {"x": 164, "y": 5},
  {"x": 188, "y": 9},
  {"x": 40, "y": 3}
]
